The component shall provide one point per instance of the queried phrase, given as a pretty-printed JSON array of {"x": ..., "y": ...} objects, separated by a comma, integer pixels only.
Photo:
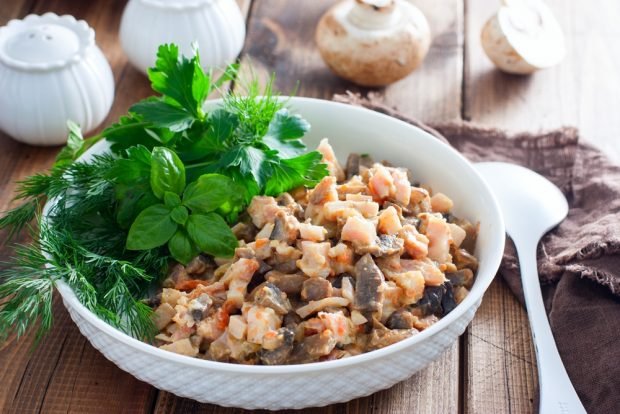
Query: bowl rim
[{"x": 480, "y": 286}]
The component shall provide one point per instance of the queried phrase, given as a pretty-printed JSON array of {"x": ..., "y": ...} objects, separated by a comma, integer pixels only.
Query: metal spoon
[{"x": 531, "y": 206}]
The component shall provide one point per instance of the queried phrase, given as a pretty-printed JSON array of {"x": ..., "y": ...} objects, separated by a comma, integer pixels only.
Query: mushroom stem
[{"x": 373, "y": 14}]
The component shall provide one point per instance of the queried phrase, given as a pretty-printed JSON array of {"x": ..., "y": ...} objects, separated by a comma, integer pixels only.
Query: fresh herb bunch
[{"x": 176, "y": 177}]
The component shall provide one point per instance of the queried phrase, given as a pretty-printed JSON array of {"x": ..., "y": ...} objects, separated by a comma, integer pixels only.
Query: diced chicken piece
[
  {"x": 389, "y": 221},
  {"x": 277, "y": 346},
  {"x": 199, "y": 306},
  {"x": 439, "y": 238},
  {"x": 369, "y": 286},
  {"x": 237, "y": 327},
  {"x": 458, "y": 234},
  {"x": 316, "y": 288},
  {"x": 392, "y": 294},
  {"x": 324, "y": 191},
  {"x": 380, "y": 182},
  {"x": 381, "y": 339},
  {"x": 359, "y": 231},
  {"x": 240, "y": 350},
  {"x": 416, "y": 244},
  {"x": 313, "y": 233},
  {"x": 329, "y": 158},
  {"x": 425, "y": 322},
  {"x": 162, "y": 316},
  {"x": 289, "y": 284},
  {"x": 318, "y": 305},
  {"x": 260, "y": 321},
  {"x": 286, "y": 227},
  {"x": 270, "y": 296},
  {"x": 341, "y": 257},
  {"x": 265, "y": 232},
  {"x": 242, "y": 269},
  {"x": 441, "y": 203},
  {"x": 210, "y": 329},
  {"x": 238, "y": 277},
  {"x": 402, "y": 186},
  {"x": 171, "y": 296},
  {"x": 420, "y": 201},
  {"x": 284, "y": 252},
  {"x": 182, "y": 317},
  {"x": 357, "y": 318},
  {"x": 315, "y": 261},
  {"x": 340, "y": 326},
  {"x": 263, "y": 210},
  {"x": 334, "y": 210},
  {"x": 347, "y": 290},
  {"x": 431, "y": 273},
  {"x": 412, "y": 283},
  {"x": 182, "y": 346},
  {"x": 354, "y": 186}
]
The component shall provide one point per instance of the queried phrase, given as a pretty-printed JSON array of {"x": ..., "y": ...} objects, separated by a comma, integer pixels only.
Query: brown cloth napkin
[{"x": 578, "y": 262}]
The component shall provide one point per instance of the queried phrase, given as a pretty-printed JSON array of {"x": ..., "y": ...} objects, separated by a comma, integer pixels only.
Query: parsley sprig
[{"x": 175, "y": 180}]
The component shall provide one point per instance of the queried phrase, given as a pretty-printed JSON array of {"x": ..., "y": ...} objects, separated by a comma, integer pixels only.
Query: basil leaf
[
  {"x": 152, "y": 228},
  {"x": 182, "y": 248},
  {"x": 210, "y": 192},
  {"x": 171, "y": 200},
  {"x": 179, "y": 215},
  {"x": 167, "y": 172},
  {"x": 211, "y": 234}
]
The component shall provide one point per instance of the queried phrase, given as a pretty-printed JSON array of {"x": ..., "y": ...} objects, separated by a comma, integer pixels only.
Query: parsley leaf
[
  {"x": 284, "y": 133},
  {"x": 164, "y": 115}
]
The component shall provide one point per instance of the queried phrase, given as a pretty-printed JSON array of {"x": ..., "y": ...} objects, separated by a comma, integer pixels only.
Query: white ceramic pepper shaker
[
  {"x": 217, "y": 27},
  {"x": 51, "y": 71}
]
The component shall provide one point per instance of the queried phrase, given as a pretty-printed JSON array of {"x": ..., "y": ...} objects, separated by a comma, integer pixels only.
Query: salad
[{"x": 216, "y": 233}]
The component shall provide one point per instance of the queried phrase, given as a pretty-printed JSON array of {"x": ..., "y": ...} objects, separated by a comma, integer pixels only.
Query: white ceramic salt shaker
[
  {"x": 217, "y": 26},
  {"x": 51, "y": 71}
]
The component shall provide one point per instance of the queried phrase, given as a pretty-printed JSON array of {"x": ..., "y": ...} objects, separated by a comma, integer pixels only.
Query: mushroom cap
[
  {"x": 523, "y": 36},
  {"x": 373, "y": 53}
]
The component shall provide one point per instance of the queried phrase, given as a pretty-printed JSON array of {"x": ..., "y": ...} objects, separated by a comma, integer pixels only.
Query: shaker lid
[{"x": 44, "y": 42}]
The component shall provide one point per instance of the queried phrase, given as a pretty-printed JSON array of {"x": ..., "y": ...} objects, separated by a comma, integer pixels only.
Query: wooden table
[{"x": 491, "y": 369}]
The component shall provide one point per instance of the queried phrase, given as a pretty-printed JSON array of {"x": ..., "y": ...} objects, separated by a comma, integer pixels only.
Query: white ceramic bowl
[{"x": 350, "y": 129}]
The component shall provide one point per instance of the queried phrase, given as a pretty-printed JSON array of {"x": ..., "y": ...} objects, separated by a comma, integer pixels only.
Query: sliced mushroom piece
[
  {"x": 400, "y": 319},
  {"x": 245, "y": 231},
  {"x": 270, "y": 296},
  {"x": 177, "y": 275},
  {"x": 316, "y": 288},
  {"x": 283, "y": 346},
  {"x": 201, "y": 266},
  {"x": 313, "y": 347},
  {"x": 291, "y": 284},
  {"x": 385, "y": 245},
  {"x": 463, "y": 277},
  {"x": 464, "y": 260},
  {"x": 286, "y": 227},
  {"x": 369, "y": 286}
]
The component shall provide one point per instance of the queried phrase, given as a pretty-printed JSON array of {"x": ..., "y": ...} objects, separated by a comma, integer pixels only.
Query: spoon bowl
[{"x": 532, "y": 206}]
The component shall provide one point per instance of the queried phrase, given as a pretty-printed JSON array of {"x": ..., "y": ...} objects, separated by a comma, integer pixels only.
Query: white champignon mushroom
[
  {"x": 373, "y": 42},
  {"x": 523, "y": 36}
]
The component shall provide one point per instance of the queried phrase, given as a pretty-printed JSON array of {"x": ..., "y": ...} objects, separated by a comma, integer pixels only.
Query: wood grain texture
[
  {"x": 582, "y": 91},
  {"x": 281, "y": 41},
  {"x": 500, "y": 362}
]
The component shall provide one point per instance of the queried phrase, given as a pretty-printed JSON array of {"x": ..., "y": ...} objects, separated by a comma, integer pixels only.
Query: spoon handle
[{"x": 557, "y": 394}]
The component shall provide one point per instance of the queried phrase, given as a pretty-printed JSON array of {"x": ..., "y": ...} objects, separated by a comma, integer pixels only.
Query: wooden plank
[
  {"x": 64, "y": 373},
  {"x": 280, "y": 41},
  {"x": 500, "y": 363},
  {"x": 581, "y": 91}
]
